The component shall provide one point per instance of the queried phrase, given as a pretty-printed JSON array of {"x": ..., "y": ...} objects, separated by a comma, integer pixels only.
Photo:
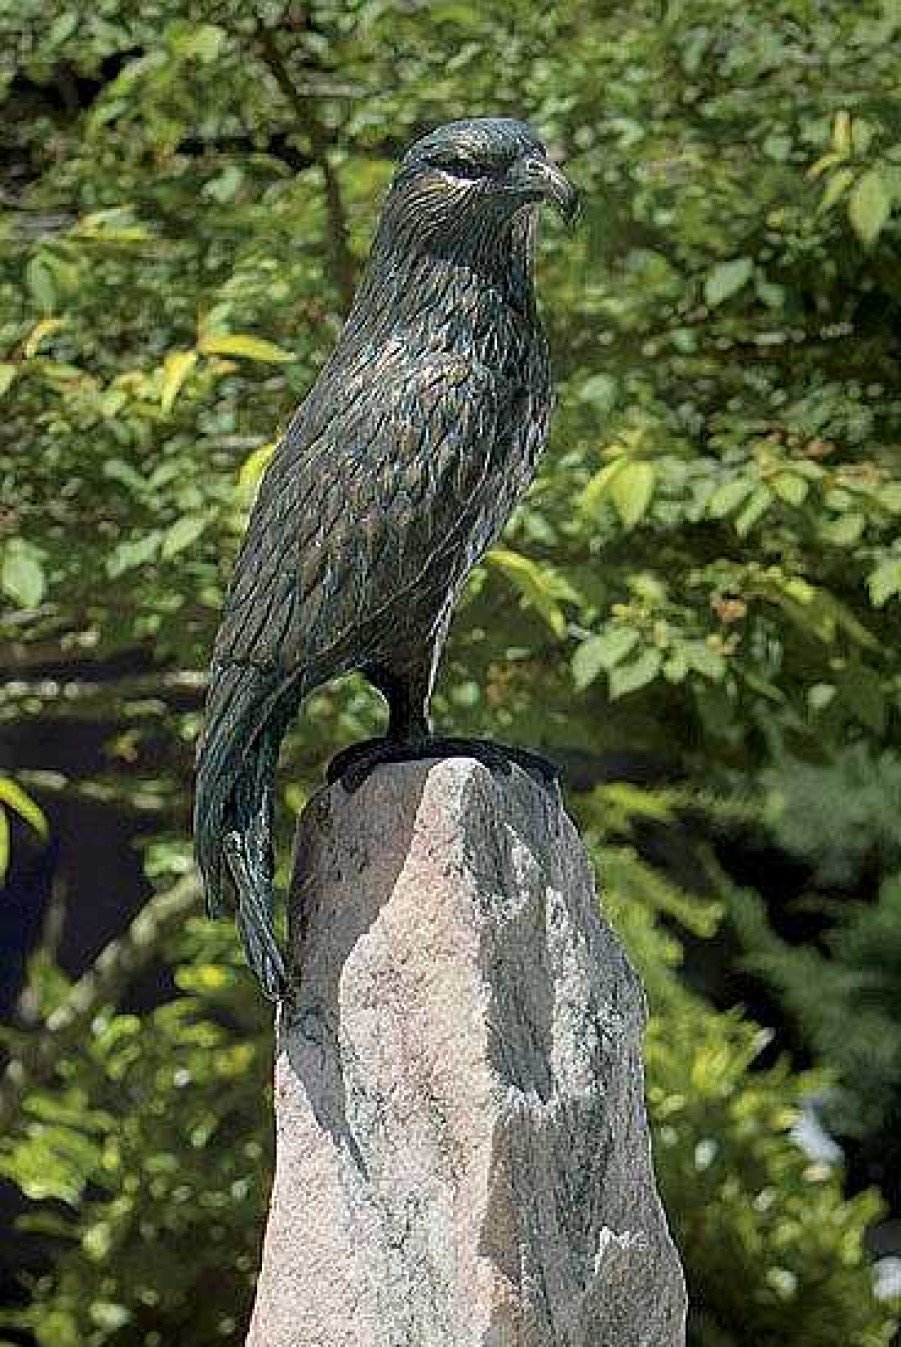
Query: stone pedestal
[{"x": 462, "y": 1151}]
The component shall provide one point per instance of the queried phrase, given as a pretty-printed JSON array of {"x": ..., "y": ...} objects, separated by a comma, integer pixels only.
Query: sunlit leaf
[
  {"x": 869, "y": 206},
  {"x": 539, "y": 588},
  {"x": 14, "y": 797},
  {"x": 885, "y": 581},
  {"x": 203, "y": 41},
  {"x": 600, "y": 391},
  {"x": 599, "y": 485},
  {"x": 836, "y": 187},
  {"x": 181, "y": 535},
  {"x": 626, "y": 678},
  {"x": 631, "y": 490},
  {"x": 727, "y": 498},
  {"x": 22, "y": 572},
  {"x": 601, "y": 653},
  {"x": 4, "y": 844},
  {"x": 726, "y": 279},
  {"x": 844, "y": 530},
  {"x": 756, "y": 507},
  {"x": 791, "y": 488},
  {"x": 176, "y": 368},
  {"x": 255, "y": 465},
  {"x": 131, "y": 553},
  {"x": 39, "y": 278},
  {"x": 39, "y": 333},
  {"x": 240, "y": 344},
  {"x": 705, "y": 659}
]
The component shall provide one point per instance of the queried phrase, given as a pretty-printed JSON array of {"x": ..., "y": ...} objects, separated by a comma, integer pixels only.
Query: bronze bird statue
[{"x": 396, "y": 473}]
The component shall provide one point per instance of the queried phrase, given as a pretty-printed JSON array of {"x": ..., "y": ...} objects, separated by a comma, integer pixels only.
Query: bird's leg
[
  {"x": 409, "y": 738},
  {"x": 407, "y": 694}
]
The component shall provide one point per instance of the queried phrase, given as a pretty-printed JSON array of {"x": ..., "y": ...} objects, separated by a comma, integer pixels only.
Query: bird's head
[
  {"x": 477, "y": 172},
  {"x": 461, "y": 212}
]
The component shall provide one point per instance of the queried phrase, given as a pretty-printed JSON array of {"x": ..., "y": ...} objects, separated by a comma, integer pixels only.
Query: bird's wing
[{"x": 382, "y": 470}]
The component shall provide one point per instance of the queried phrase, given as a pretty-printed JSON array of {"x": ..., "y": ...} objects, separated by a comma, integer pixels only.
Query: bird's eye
[{"x": 465, "y": 168}]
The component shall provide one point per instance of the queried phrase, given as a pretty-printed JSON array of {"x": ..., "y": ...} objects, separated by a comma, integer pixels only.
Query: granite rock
[{"x": 463, "y": 1157}]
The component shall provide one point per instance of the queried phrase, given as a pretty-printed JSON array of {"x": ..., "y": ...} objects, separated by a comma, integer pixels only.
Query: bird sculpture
[{"x": 395, "y": 474}]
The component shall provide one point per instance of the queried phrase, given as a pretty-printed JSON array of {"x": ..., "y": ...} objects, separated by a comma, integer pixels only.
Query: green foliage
[
  {"x": 735, "y": 462},
  {"x": 148, "y": 1160},
  {"x": 773, "y": 1252},
  {"x": 842, "y": 818},
  {"x": 707, "y": 569},
  {"x": 13, "y": 799},
  {"x": 846, "y": 1004},
  {"x": 844, "y": 821}
]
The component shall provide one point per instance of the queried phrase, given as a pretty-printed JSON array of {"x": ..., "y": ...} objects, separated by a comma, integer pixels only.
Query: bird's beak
[{"x": 545, "y": 181}]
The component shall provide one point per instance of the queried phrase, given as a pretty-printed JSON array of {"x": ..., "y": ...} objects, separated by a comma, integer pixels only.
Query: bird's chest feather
[{"x": 486, "y": 426}]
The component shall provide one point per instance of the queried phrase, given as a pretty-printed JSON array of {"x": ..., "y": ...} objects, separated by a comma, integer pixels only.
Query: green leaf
[
  {"x": 4, "y": 844},
  {"x": 599, "y": 485},
  {"x": 726, "y": 279},
  {"x": 203, "y": 42},
  {"x": 176, "y": 368},
  {"x": 841, "y": 131},
  {"x": 849, "y": 624},
  {"x": 631, "y": 491},
  {"x": 240, "y": 344},
  {"x": 885, "y": 581},
  {"x": 255, "y": 465},
  {"x": 844, "y": 530},
  {"x": 861, "y": 689},
  {"x": 117, "y": 470},
  {"x": 869, "y": 206},
  {"x": 836, "y": 187},
  {"x": 704, "y": 659},
  {"x": 626, "y": 678},
  {"x": 675, "y": 668},
  {"x": 7, "y": 374},
  {"x": 537, "y": 585},
  {"x": 791, "y": 488},
  {"x": 131, "y": 553},
  {"x": 753, "y": 512},
  {"x": 602, "y": 652},
  {"x": 772, "y": 295},
  {"x": 181, "y": 534},
  {"x": 22, "y": 573},
  {"x": 889, "y": 497},
  {"x": 38, "y": 334},
  {"x": 600, "y": 391},
  {"x": 225, "y": 187},
  {"x": 62, "y": 28},
  {"x": 728, "y": 497},
  {"x": 820, "y": 696},
  {"x": 12, "y": 795},
  {"x": 39, "y": 279}
]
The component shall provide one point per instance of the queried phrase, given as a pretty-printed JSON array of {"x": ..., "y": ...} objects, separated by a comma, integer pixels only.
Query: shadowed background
[{"x": 694, "y": 612}]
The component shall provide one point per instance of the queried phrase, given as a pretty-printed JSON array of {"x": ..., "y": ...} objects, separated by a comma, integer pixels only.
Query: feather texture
[{"x": 396, "y": 473}]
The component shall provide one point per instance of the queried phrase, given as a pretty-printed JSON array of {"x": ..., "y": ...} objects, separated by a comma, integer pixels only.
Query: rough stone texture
[{"x": 463, "y": 1155}]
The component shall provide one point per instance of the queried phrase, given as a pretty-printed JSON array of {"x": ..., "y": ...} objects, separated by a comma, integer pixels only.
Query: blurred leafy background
[{"x": 696, "y": 612}]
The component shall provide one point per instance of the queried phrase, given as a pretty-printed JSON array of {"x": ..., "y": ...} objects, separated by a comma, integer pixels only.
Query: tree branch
[
  {"x": 127, "y": 798},
  {"x": 101, "y": 986},
  {"x": 341, "y": 259},
  {"x": 100, "y": 699}
]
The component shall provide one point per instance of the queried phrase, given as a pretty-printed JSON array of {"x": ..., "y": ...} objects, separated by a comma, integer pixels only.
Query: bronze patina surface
[{"x": 397, "y": 472}]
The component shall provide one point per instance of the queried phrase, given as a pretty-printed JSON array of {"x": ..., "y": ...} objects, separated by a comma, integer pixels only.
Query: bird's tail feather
[{"x": 233, "y": 811}]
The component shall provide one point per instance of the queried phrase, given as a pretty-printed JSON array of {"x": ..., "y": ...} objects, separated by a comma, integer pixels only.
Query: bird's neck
[{"x": 450, "y": 291}]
